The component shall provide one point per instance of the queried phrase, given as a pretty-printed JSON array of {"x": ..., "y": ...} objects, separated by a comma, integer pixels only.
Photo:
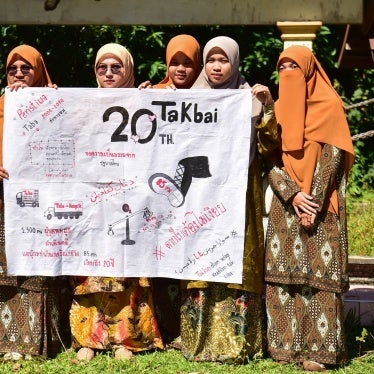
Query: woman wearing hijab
[
  {"x": 306, "y": 250},
  {"x": 222, "y": 322},
  {"x": 183, "y": 64},
  {"x": 33, "y": 309},
  {"x": 113, "y": 313}
]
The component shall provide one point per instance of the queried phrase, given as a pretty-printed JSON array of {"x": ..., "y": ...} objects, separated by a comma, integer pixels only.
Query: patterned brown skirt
[
  {"x": 305, "y": 324},
  {"x": 33, "y": 322},
  {"x": 34, "y": 311},
  {"x": 221, "y": 324}
]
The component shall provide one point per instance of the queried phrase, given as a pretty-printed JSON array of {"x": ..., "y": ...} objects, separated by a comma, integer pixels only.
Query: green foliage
[
  {"x": 362, "y": 173},
  {"x": 69, "y": 52},
  {"x": 265, "y": 47},
  {"x": 362, "y": 339},
  {"x": 324, "y": 48},
  {"x": 354, "y": 86},
  {"x": 360, "y": 119}
]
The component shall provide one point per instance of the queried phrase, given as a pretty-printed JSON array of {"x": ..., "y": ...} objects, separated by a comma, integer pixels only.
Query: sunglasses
[
  {"x": 25, "y": 69},
  {"x": 102, "y": 68}
]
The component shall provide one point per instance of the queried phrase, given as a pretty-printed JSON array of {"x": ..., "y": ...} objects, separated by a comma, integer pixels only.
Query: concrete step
[
  {"x": 360, "y": 297},
  {"x": 361, "y": 266}
]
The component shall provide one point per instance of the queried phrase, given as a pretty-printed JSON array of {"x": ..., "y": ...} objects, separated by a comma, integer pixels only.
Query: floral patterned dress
[
  {"x": 113, "y": 312},
  {"x": 224, "y": 322}
]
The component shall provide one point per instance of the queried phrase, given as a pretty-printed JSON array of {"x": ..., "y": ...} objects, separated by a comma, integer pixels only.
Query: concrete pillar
[{"x": 298, "y": 33}]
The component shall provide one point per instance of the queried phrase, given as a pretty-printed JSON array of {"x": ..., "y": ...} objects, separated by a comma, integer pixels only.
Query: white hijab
[
  {"x": 236, "y": 80},
  {"x": 231, "y": 49},
  {"x": 118, "y": 51}
]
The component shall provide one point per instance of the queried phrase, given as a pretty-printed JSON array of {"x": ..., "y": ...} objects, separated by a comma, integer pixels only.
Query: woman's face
[
  {"x": 287, "y": 64},
  {"x": 181, "y": 70},
  {"x": 20, "y": 71},
  {"x": 217, "y": 66},
  {"x": 110, "y": 73}
]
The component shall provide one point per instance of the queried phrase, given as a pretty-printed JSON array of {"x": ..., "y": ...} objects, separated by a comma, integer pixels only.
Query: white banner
[{"x": 123, "y": 182}]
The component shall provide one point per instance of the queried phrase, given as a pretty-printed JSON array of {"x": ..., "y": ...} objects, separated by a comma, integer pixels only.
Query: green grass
[
  {"x": 361, "y": 243},
  {"x": 360, "y": 222},
  {"x": 360, "y": 348},
  {"x": 168, "y": 362}
]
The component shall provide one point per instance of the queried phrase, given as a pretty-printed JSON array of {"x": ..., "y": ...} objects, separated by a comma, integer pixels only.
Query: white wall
[{"x": 183, "y": 12}]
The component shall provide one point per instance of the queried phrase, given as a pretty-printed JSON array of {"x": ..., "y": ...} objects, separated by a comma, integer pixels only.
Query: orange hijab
[
  {"x": 41, "y": 77},
  {"x": 310, "y": 114},
  {"x": 186, "y": 44}
]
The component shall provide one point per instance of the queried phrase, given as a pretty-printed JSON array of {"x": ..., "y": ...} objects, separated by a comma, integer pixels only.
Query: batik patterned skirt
[
  {"x": 33, "y": 322},
  {"x": 305, "y": 324},
  {"x": 34, "y": 312},
  {"x": 221, "y": 324}
]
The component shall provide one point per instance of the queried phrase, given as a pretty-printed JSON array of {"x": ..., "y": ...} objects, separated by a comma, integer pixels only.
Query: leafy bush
[{"x": 69, "y": 52}]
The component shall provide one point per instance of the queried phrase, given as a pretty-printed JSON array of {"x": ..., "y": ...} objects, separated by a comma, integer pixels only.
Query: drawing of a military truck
[
  {"x": 65, "y": 209},
  {"x": 28, "y": 197}
]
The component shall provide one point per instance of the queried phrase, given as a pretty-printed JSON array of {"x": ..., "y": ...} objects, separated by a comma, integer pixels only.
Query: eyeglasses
[
  {"x": 102, "y": 69},
  {"x": 25, "y": 69}
]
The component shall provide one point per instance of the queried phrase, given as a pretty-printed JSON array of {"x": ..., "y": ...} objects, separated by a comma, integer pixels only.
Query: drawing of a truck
[
  {"x": 65, "y": 209},
  {"x": 28, "y": 197}
]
